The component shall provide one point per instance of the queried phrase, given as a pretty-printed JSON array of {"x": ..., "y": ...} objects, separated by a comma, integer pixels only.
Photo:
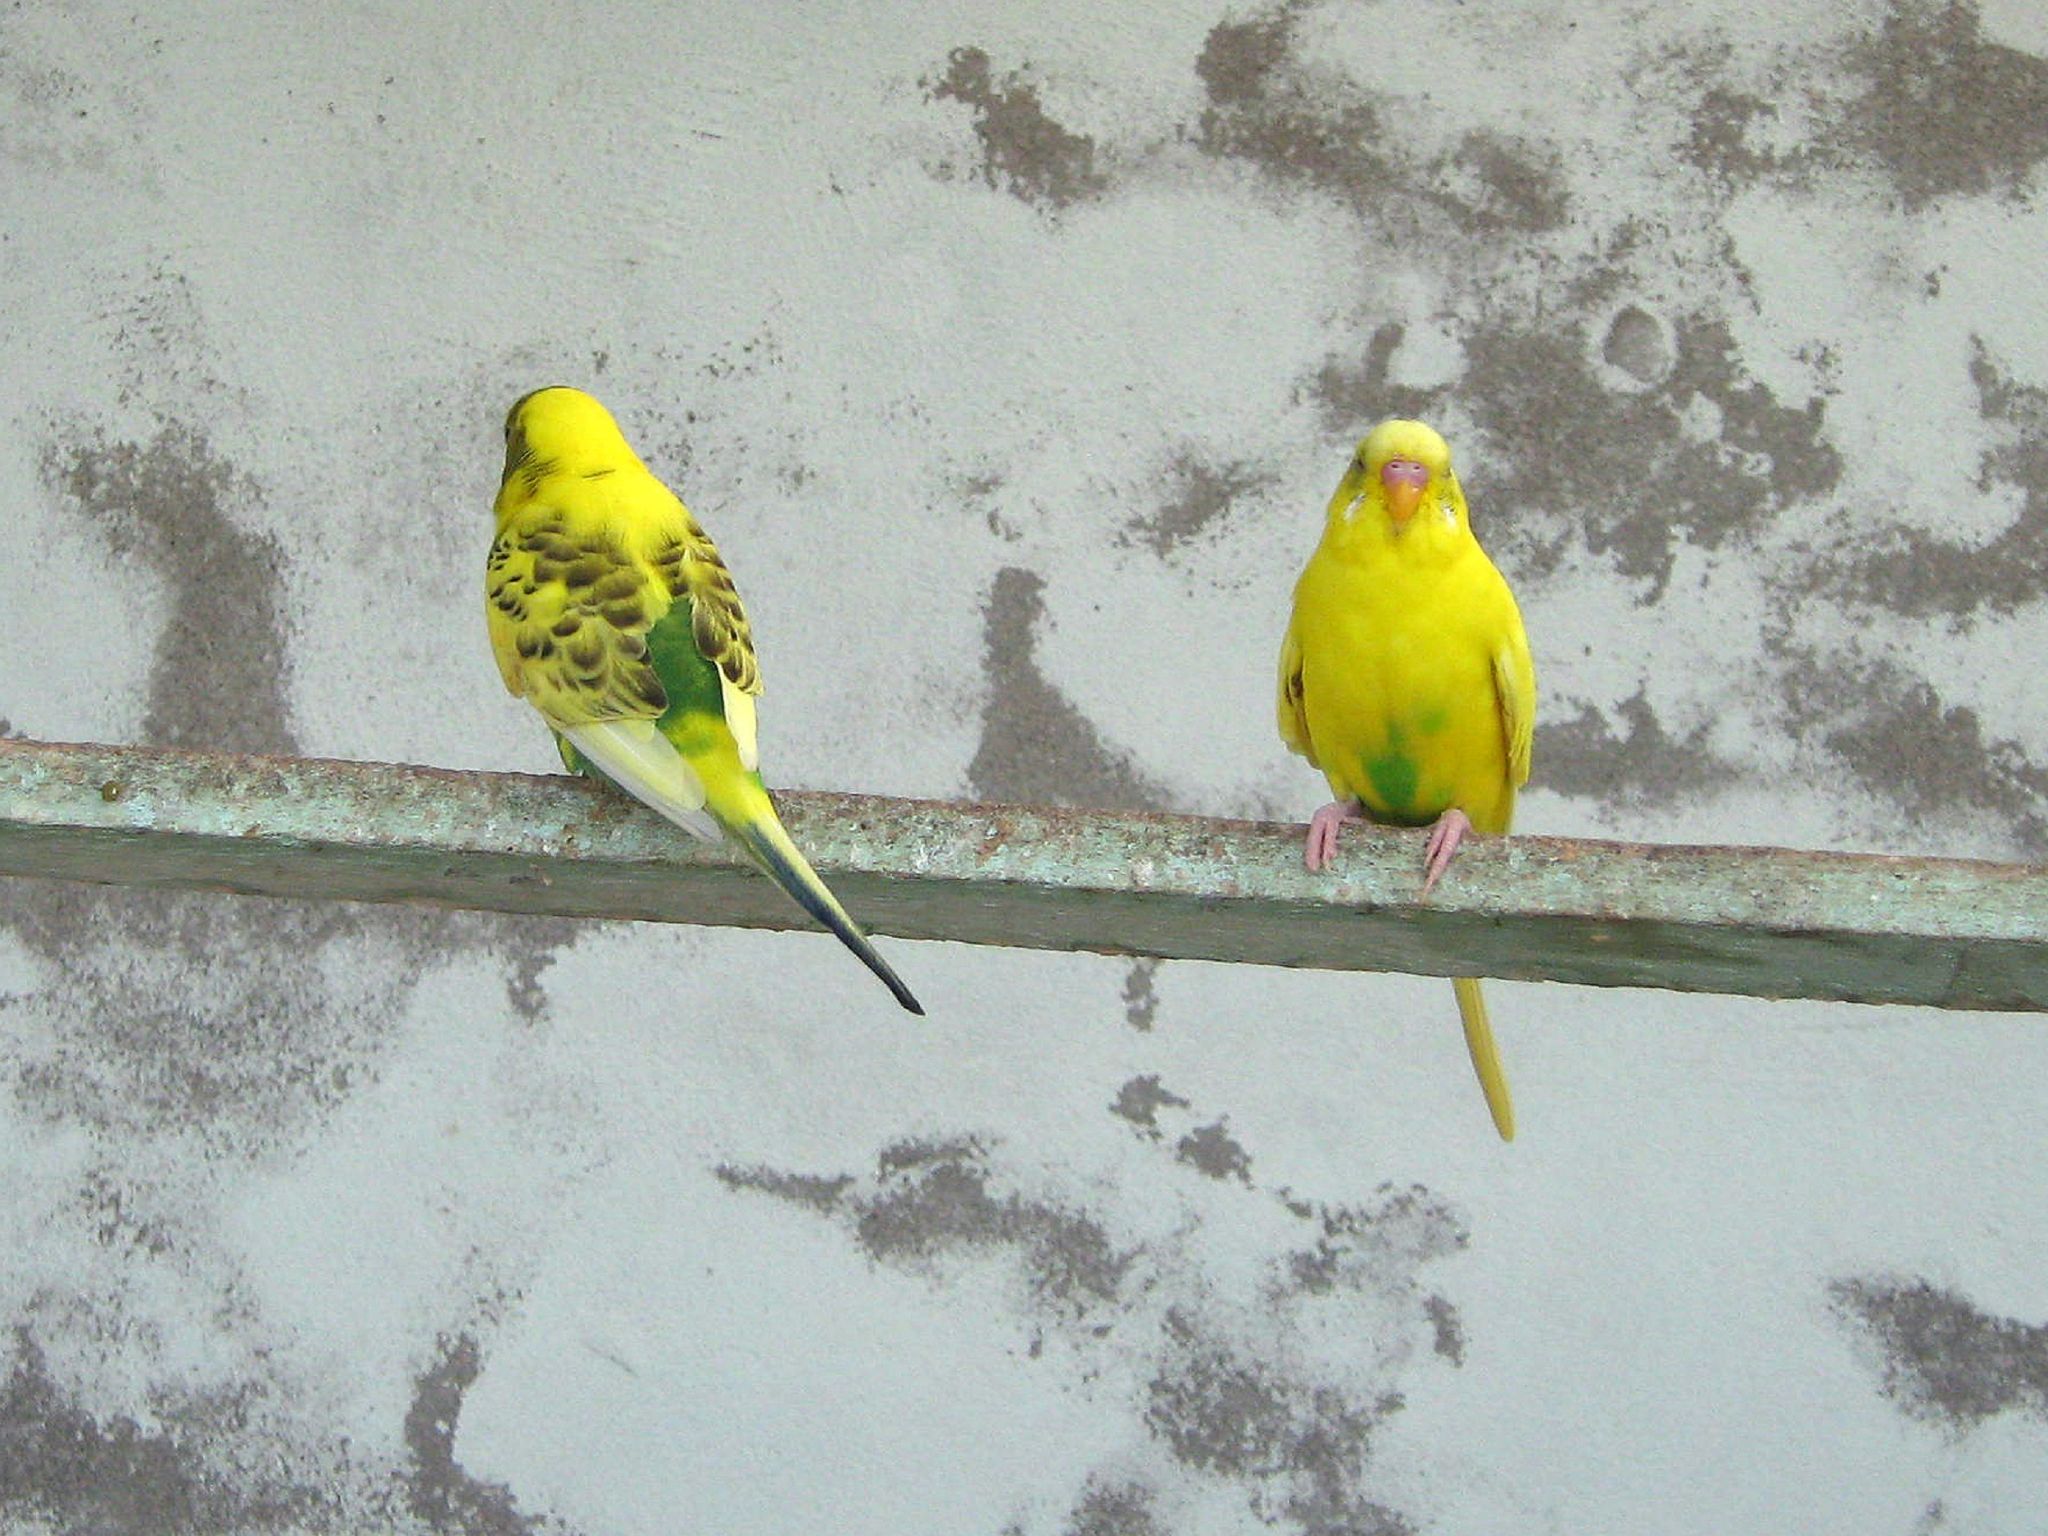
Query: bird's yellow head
[
  {"x": 1401, "y": 468},
  {"x": 1399, "y": 484},
  {"x": 560, "y": 427}
]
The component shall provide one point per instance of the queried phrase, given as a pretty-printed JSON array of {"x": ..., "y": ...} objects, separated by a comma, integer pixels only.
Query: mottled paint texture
[
  {"x": 1023, "y": 150},
  {"x": 440, "y": 1492},
  {"x": 1114, "y": 1509},
  {"x": 1946, "y": 113},
  {"x": 1942, "y": 1358},
  {"x": 1199, "y": 494},
  {"x": 1036, "y": 747},
  {"x": 219, "y": 679},
  {"x": 1013, "y": 356},
  {"x": 1915, "y": 574},
  {"x": 1231, "y": 1387},
  {"x": 225, "y": 1029}
]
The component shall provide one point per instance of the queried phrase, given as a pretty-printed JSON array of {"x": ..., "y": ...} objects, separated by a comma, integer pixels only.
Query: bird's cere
[{"x": 1404, "y": 481}]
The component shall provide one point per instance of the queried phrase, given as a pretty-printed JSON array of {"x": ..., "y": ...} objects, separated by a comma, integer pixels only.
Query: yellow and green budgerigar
[
  {"x": 1406, "y": 677},
  {"x": 612, "y": 613}
]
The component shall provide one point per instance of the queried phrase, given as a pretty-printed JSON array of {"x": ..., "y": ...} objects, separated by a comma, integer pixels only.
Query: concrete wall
[{"x": 1011, "y": 352}]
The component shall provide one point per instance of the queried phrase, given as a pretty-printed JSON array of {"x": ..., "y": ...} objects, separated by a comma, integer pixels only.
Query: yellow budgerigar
[
  {"x": 612, "y": 614},
  {"x": 1406, "y": 676}
]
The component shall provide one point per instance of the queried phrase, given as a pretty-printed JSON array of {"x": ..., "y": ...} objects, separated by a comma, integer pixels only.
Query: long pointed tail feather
[
  {"x": 763, "y": 840},
  {"x": 640, "y": 760},
  {"x": 1485, "y": 1057}
]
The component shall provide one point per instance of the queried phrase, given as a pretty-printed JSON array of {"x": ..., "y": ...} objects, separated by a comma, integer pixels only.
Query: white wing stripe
[{"x": 640, "y": 760}]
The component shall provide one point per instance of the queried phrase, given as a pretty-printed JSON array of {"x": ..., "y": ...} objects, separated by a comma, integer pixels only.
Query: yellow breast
[{"x": 1398, "y": 685}]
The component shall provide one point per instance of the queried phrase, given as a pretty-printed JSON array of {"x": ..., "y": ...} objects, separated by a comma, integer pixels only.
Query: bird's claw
[
  {"x": 1321, "y": 845},
  {"x": 1444, "y": 837}
]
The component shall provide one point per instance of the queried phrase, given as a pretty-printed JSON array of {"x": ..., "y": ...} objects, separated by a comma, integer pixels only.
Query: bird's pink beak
[{"x": 1404, "y": 480}]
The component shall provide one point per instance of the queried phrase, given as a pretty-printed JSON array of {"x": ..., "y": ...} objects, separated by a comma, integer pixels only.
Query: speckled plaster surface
[{"x": 1011, "y": 352}]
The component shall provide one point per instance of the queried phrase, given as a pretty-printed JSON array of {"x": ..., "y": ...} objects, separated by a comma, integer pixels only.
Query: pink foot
[
  {"x": 1321, "y": 846},
  {"x": 1444, "y": 837}
]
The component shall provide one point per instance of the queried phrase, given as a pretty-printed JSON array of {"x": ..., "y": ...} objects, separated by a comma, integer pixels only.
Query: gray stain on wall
[
  {"x": 1921, "y": 102},
  {"x": 1108, "y": 1508},
  {"x": 115, "y": 1478},
  {"x": 1265, "y": 106},
  {"x": 1354, "y": 395},
  {"x": 170, "y": 1014},
  {"x": 1036, "y": 747},
  {"x": 1208, "y": 1149},
  {"x": 211, "y": 1463},
  {"x": 1237, "y": 1388},
  {"x": 1916, "y": 574},
  {"x": 212, "y": 1457},
  {"x": 1358, "y": 1247},
  {"x": 1943, "y": 111},
  {"x": 1023, "y": 151},
  {"x": 1573, "y": 461},
  {"x": 1213, "y": 1152},
  {"x": 1647, "y": 765},
  {"x": 1141, "y": 997},
  {"x": 1140, "y": 1100},
  {"x": 1303, "y": 1448},
  {"x": 931, "y": 1199},
  {"x": 218, "y": 681},
  {"x": 438, "y": 1490},
  {"x": 229, "y": 1027},
  {"x": 1270, "y": 103},
  {"x": 1514, "y": 186},
  {"x": 1942, "y": 1359},
  {"x": 1450, "y": 1328},
  {"x": 1721, "y": 144},
  {"x": 1900, "y": 741},
  {"x": 1198, "y": 495}
]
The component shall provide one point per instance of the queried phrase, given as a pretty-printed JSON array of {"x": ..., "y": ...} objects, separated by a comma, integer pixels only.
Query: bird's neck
[
  {"x": 563, "y": 462},
  {"x": 1430, "y": 539},
  {"x": 592, "y": 454}
]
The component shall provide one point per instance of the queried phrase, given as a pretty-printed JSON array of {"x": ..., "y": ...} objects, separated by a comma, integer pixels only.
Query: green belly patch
[
  {"x": 1394, "y": 778},
  {"x": 1391, "y": 774}
]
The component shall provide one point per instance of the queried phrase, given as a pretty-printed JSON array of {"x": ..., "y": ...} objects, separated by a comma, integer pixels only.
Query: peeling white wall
[{"x": 1010, "y": 354}]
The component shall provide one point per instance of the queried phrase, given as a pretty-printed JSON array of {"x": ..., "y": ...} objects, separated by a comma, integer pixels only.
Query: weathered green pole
[{"x": 1765, "y": 922}]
